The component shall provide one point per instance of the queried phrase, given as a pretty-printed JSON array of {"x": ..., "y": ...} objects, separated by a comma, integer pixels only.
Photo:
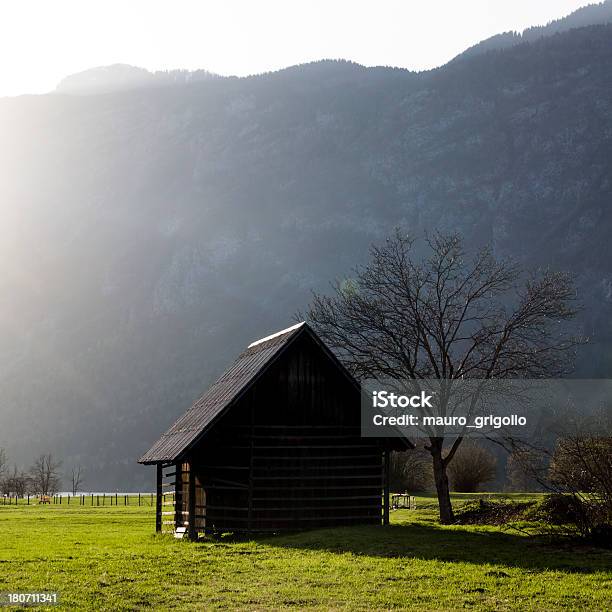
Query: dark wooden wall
[{"x": 289, "y": 455}]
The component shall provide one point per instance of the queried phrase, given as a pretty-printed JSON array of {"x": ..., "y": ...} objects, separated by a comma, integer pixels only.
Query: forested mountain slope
[{"x": 149, "y": 234}]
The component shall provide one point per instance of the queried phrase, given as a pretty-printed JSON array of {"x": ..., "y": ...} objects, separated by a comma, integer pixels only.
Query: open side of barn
[{"x": 274, "y": 445}]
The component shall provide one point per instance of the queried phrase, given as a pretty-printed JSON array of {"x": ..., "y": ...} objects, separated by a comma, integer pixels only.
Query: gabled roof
[{"x": 232, "y": 384}]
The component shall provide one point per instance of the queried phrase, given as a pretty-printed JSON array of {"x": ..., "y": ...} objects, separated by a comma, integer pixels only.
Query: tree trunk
[{"x": 444, "y": 502}]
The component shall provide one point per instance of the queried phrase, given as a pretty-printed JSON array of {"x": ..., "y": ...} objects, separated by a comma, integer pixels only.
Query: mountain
[
  {"x": 149, "y": 234},
  {"x": 592, "y": 14},
  {"x": 118, "y": 77}
]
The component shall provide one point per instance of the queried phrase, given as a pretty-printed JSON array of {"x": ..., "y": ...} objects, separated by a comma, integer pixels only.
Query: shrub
[
  {"x": 560, "y": 509},
  {"x": 484, "y": 512},
  {"x": 602, "y": 535},
  {"x": 522, "y": 471},
  {"x": 471, "y": 467},
  {"x": 582, "y": 467}
]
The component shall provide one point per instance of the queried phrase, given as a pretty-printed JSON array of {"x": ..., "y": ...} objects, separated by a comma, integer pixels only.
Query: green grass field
[{"x": 109, "y": 558}]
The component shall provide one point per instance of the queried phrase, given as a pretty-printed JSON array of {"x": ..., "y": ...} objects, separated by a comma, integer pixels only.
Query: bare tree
[
  {"x": 4, "y": 480},
  {"x": 446, "y": 316},
  {"x": 3, "y": 463},
  {"x": 520, "y": 471},
  {"x": 472, "y": 467},
  {"x": 18, "y": 482},
  {"x": 410, "y": 470},
  {"x": 45, "y": 474},
  {"x": 582, "y": 465},
  {"x": 14, "y": 482},
  {"x": 76, "y": 478}
]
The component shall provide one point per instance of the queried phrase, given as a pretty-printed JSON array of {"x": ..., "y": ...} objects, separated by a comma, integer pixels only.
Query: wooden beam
[
  {"x": 386, "y": 490},
  {"x": 178, "y": 496},
  {"x": 373, "y": 496},
  {"x": 158, "y": 505},
  {"x": 251, "y": 454},
  {"x": 375, "y": 505},
  {"x": 336, "y": 476},
  {"x": 280, "y": 458},
  {"x": 193, "y": 532}
]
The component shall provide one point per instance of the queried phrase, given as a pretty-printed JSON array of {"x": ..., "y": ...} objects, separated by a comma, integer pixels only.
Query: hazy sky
[{"x": 42, "y": 41}]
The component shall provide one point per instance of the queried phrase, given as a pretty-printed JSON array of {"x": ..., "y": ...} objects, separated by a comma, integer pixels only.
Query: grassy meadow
[{"x": 110, "y": 559}]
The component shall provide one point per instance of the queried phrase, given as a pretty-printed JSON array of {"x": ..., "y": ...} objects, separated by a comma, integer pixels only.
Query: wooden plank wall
[{"x": 289, "y": 455}]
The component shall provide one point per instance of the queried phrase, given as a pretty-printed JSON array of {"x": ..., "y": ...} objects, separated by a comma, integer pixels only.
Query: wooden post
[
  {"x": 386, "y": 494},
  {"x": 193, "y": 532},
  {"x": 158, "y": 505},
  {"x": 178, "y": 496},
  {"x": 251, "y": 453}
]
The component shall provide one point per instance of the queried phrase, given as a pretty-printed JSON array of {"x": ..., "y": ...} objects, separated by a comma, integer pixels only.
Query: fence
[{"x": 91, "y": 499}]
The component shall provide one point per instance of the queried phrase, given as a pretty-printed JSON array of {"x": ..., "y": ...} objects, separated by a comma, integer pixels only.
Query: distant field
[{"x": 109, "y": 558}]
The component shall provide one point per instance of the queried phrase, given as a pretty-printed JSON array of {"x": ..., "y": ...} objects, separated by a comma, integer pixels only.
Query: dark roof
[{"x": 250, "y": 364}]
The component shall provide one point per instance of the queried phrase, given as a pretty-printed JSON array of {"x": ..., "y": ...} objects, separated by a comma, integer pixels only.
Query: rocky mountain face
[{"x": 150, "y": 234}]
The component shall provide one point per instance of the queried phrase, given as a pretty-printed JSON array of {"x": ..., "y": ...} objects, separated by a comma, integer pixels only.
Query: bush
[
  {"x": 484, "y": 512},
  {"x": 522, "y": 470},
  {"x": 582, "y": 463},
  {"x": 582, "y": 467},
  {"x": 471, "y": 467},
  {"x": 560, "y": 509},
  {"x": 602, "y": 535}
]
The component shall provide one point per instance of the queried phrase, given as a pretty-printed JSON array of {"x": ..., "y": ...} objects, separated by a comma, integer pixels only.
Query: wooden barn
[{"x": 274, "y": 445}]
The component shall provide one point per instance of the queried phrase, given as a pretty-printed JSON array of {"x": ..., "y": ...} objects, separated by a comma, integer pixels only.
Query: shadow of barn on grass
[{"x": 451, "y": 545}]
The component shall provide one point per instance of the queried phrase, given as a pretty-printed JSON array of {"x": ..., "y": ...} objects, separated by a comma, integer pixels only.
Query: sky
[{"x": 42, "y": 41}]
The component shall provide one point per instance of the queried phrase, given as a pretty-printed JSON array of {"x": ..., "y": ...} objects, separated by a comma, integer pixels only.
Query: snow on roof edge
[{"x": 276, "y": 334}]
